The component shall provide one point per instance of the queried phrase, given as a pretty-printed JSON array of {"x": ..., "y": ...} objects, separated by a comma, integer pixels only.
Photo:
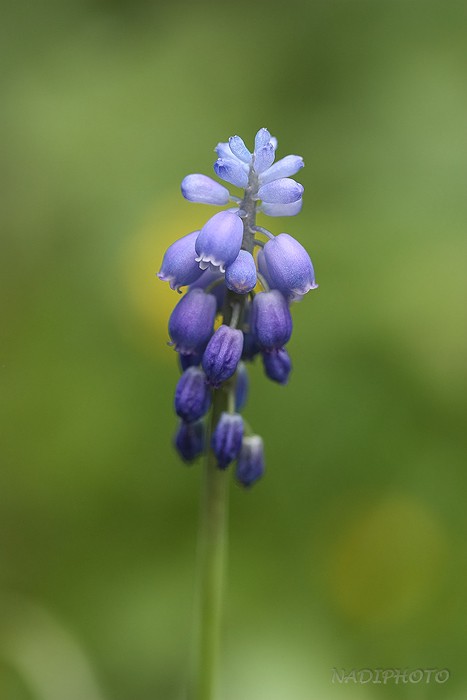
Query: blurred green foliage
[{"x": 351, "y": 552}]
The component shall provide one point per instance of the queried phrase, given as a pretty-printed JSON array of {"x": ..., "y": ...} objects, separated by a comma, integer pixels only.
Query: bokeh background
[{"x": 351, "y": 552}]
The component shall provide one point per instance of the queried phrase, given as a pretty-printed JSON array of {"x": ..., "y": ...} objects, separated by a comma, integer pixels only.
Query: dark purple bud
[
  {"x": 250, "y": 464},
  {"x": 271, "y": 322},
  {"x": 222, "y": 354},
  {"x": 277, "y": 365},
  {"x": 227, "y": 438},
  {"x": 240, "y": 276},
  {"x": 179, "y": 266},
  {"x": 192, "y": 321},
  {"x": 289, "y": 266},
  {"x": 241, "y": 386},
  {"x": 189, "y": 440},
  {"x": 192, "y": 395}
]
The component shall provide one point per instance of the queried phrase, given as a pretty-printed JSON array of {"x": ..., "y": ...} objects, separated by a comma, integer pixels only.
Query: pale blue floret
[
  {"x": 238, "y": 148},
  {"x": 281, "y": 191},
  {"x": 240, "y": 276},
  {"x": 224, "y": 152},
  {"x": 285, "y": 167},
  {"x": 231, "y": 171},
  {"x": 262, "y": 138},
  {"x": 264, "y": 158},
  {"x": 219, "y": 241},
  {"x": 203, "y": 189},
  {"x": 274, "y": 209}
]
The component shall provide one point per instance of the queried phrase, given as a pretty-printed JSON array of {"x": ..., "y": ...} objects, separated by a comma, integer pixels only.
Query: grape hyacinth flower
[
  {"x": 192, "y": 395},
  {"x": 222, "y": 355},
  {"x": 241, "y": 283},
  {"x": 271, "y": 321},
  {"x": 277, "y": 365},
  {"x": 192, "y": 321},
  {"x": 250, "y": 465},
  {"x": 227, "y": 438},
  {"x": 189, "y": 440}
]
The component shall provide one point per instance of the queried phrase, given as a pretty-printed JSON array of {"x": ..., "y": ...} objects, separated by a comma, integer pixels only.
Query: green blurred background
[{"x": 351, "y": 552}]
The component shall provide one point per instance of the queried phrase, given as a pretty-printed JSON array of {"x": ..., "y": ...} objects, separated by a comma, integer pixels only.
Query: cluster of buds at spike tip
[{"x": 241, "y": 282}]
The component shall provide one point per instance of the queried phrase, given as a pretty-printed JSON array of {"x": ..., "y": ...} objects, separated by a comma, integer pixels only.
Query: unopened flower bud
[
  {"x": 240, "y": 276},
  {"x": 227, "y": 438},
  {"x": 277, "y": 365},
  {"x": 271, "y": 322},
  {"x": 241, "y": 386},
  {"x": 222, "y": 354},
  {"x": 282, "y": 191},
  {"x": 192, "y": 395},
  {"x": 250, "y": 464},
  {"x": 192, "y": 320},
  {"x": 203, "y": 189},
  {"x": 190, "y": 440}
]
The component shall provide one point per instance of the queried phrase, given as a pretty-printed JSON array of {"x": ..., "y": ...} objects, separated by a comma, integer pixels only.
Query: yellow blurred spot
[
  {"x": 151, "y": 301},
  {"x": 386, "y": 563}
]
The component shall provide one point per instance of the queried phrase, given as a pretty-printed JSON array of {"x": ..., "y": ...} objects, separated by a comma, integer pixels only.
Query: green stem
[{"x": 211, "y": 553}]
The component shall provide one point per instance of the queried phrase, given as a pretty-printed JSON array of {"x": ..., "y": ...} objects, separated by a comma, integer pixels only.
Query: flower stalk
[{"x": 212, "y": 546}]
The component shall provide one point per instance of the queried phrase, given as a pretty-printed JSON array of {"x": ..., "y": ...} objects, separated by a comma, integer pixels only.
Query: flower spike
[{"x": 242, "y": 280}]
